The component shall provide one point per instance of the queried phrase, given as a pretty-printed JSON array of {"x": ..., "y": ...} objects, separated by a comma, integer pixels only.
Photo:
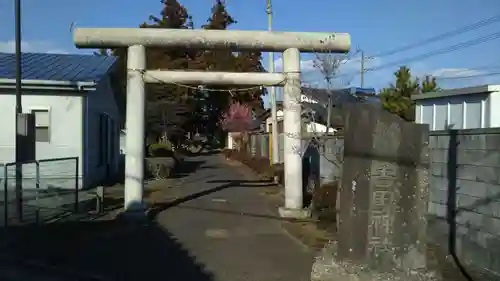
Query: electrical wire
[
  {"x": 433, "y": 39},
  {"x": 439, "y": 37},
  {"x": 442, "y": 51}
]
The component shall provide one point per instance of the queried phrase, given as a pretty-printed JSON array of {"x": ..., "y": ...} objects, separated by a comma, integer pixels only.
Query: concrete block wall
[
  {"x": 465, "y": 168},
  {"x": 331, "y": 151}
]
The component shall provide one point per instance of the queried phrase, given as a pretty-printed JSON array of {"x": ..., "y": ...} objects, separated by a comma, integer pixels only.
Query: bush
[
  {"x": 160, "y": 150},
  {"x": 260, "y": 165},
  {"x": 325, "y": 204},
  {"x": 160, "y": 167}
]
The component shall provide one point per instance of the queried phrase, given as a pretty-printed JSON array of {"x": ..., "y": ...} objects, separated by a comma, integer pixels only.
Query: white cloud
[
  {"x": 305, "y": 65},
  {"x": 32, "y": 46},
  {"x": 455, "y": 72}
]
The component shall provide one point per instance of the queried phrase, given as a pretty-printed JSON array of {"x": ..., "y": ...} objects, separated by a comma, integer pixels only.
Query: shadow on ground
[
  {"x": 159, "y": 207},
  {"x": 187, "y": 167},
  {"x": 99, "y": 250}
]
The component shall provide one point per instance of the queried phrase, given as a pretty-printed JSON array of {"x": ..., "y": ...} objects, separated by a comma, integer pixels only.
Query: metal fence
[{"x": 43, "y": 190}]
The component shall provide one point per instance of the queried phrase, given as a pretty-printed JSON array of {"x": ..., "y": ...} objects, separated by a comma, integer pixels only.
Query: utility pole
[
  {"x": 19, "y": 111},
  {"x": 362, "y": 68},
  {"x": 272, "y": 94}
]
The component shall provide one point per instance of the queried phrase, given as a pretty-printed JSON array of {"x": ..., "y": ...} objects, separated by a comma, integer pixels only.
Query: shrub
[
  {"x": 325, "y": 204},
  {"x": 165, "y": 150},
  {"x": 260, "y": 165},
  {"x": 160, "y": 150},
  {"x": 160, "y": 167}
]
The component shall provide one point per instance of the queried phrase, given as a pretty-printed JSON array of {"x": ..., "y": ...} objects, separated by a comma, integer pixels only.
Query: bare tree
[{"x": 329, "y": 65}]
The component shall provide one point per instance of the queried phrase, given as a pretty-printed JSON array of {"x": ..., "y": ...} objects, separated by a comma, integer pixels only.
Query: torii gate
[{"x": 137, "y": 39}]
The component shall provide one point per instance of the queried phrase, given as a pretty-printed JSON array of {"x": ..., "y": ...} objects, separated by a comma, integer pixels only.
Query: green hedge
[{"x": 160, "y": 150}]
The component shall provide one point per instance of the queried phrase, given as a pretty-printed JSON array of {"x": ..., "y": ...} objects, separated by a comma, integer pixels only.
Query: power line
[
  {"x": 440, "y": 37},
  {"x": 442, "y": 51}
]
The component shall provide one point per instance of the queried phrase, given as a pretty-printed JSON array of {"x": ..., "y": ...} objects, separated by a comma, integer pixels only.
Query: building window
[{"x": 42, "y": 125}]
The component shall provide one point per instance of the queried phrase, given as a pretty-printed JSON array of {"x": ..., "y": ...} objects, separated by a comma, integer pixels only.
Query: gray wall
[
  {"x": 469, "y": 176},
  {"x": 330, "y": 153}
]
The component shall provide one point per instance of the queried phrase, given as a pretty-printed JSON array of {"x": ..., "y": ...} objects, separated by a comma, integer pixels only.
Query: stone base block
[
  {"x": 328, "y": 268},
  {"x": 294, "y": 213},
  {"x": 336, "y": 271}
]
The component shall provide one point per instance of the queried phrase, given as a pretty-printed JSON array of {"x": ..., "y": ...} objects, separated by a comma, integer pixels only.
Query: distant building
[
  {"x": 463, "y": 108},
  {"x": 315, "y": 104}
]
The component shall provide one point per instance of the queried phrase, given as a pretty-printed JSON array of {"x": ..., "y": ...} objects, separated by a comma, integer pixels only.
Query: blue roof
[
  {"x": 56, "y": 67},
  {"x": 358, "y": 90}
]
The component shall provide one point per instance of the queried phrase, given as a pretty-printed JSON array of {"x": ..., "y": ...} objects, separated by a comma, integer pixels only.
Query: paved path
[
  {"x": 227, "y": 225},
  {"x": 213, "y": 225}
]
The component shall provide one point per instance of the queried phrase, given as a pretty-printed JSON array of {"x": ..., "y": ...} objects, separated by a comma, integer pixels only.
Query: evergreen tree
[
  {"x": 397, "y": 97},
  {"x": 169, "y": 106},
  {"x": 429, "y": 84},
  {"x": 228, "y": 60},
  {"x": 174, "y": 109}
]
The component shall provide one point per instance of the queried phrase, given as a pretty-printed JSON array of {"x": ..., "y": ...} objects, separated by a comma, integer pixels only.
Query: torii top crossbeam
[{"x": 317, "y": 42}]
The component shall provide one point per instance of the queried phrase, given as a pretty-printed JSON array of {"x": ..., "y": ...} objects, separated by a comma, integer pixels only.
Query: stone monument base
[{"x": 328, "y": 267}]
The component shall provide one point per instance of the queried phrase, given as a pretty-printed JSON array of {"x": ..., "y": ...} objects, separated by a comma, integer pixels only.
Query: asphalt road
[
  {"x": 226, "y": 225},
  {"x": 213, "y": 225}
]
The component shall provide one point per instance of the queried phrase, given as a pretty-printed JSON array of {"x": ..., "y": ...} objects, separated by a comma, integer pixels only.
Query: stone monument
[{"x": 383, "y": 200}]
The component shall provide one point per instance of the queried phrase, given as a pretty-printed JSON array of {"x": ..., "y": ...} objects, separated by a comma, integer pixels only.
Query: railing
[{"x": 48, "y": 188}]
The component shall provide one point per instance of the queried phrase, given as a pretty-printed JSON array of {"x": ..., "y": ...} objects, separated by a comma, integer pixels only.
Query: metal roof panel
[{"x": 57, "y": 67}]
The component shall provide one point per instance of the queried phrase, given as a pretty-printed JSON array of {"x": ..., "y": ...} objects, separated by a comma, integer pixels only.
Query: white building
[
  {"x": 76, "y": 114},
  {"x": 464, "y": 108},
  {"x": 311, "y": 127},
  {"x": 315, "y": 103}
]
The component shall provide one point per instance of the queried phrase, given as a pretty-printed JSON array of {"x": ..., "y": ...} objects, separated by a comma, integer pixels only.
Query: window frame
[{"x": 33, "y": 110}]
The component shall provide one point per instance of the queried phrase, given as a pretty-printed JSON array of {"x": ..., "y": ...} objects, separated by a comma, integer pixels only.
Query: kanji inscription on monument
[{"x": 383, "y": 188}]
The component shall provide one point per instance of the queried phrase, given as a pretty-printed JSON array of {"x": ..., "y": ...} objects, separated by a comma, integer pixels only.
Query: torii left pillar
[{"x": 135, "y": 128}]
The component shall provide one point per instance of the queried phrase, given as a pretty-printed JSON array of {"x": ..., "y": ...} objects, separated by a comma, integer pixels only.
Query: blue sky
[{"x": 375, "y": 26}]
